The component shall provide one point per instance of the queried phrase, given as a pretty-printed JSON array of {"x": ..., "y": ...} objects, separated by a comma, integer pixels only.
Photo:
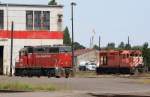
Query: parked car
[
  {"x": 83, "y": 66},
  {"x": 90, "y": 66}
]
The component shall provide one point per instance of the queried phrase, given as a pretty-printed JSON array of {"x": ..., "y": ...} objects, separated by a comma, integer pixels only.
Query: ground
[{"x": 84, "y": 87}]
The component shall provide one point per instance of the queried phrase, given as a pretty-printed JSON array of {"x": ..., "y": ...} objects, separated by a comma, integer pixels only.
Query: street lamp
[
  {"x": 11, "y": 51},
  {"x": 72, "y": 45}
]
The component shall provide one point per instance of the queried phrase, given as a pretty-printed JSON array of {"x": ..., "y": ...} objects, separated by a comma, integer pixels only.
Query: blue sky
[{"x": 113, "y": 20}]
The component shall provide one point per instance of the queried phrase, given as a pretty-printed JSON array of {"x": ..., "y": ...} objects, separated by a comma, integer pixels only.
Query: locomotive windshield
[
  {"x": 65, "y": 49},
  {"x": 53, "y": 50},
  {"x": 59, "y": 49}
]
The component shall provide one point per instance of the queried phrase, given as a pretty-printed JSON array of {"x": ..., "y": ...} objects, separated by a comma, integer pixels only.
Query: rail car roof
[{"x": 122, "y": 51}]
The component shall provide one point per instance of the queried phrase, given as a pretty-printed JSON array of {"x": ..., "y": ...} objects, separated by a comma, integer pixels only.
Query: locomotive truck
[
  {"x": 51, "y": 61},
  {"x": 120, "y": 61}
]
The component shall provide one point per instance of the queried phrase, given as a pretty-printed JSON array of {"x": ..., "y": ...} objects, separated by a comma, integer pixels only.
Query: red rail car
[
  {"x": 124, "y": 61},
  {"x": 44, "y": 61}
]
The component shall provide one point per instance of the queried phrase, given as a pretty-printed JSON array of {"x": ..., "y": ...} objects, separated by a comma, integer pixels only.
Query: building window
[
  {"x": 42, "y": 20},
  {"x": 1, "y": 19},
  {"x": 29, "y": 20},
  {"x": 46, "y": 20},
  {"x": 59, "y": 22},
  {"x": 37, "y": 20}
]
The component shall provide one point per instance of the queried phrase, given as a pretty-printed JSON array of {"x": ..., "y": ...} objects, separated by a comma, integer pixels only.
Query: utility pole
[
  {"x": 11, "y": 46},
  {"x": 99, "y": 43},
  {"x": 72, "y": 19},
  {"x": 90, "y": 42},
  {"x": 128, "y": 40}
]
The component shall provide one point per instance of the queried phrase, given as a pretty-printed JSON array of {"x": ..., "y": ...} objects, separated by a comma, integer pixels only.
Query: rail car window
[
  {"x": 29, "y": 20},
  {"x": 131, "y": 55},
  {"x": 1, "y": 19},
  {"x": 128, "y": 55},
  {"x": 53, "y": 50},
  {"x": 103, "y": 60}
]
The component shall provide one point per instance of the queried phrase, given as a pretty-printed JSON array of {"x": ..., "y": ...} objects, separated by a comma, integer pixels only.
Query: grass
[
  {"x": 16, "y": 86},
  {"x": 85, "y": 74},
  {"x": 145, "y": 81}
]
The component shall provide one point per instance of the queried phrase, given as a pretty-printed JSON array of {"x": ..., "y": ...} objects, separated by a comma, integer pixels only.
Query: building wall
[
  {"x": 17, "y": 14},
  {"x": 89, "y": 56}
]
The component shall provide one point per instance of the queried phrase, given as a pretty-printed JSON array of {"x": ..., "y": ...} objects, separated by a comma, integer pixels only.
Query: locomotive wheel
[
  {"x": 49, "y": 75},
  {"x": 57, "y": 76},
  {"x": 134, "y": 71},
  {"x": 24, "y": 73},
  {"x": 67, "y": 76}
]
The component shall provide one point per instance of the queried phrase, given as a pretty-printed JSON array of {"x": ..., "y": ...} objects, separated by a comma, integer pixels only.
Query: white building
[{"x": 33, "y": 25}]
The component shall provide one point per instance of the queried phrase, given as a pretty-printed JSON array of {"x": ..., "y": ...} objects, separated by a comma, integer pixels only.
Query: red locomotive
[
  {"x": 44, "y": 61},
  {"x": 121, "y": 61}
]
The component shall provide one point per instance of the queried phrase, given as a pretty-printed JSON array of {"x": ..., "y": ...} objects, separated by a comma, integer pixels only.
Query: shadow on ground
[{"x": 113, "y": 95}]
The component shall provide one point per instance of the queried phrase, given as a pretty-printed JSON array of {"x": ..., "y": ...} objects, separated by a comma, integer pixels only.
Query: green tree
[
  {"x": 67, "y": 39},
  {"x": 128, "y": 46},
  {"x": 121, "y": 45},
  {"x": 52, "y": 2},
  {"x": 96, "y": 47},
  {"x": 78, "y": 46},
  {"x": 111, "y": 46},
  {"x": 146, "y": 54},
  {"x": 137, "y": 48}
]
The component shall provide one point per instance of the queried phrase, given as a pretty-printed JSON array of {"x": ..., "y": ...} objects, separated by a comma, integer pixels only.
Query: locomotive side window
[
  {"x": 30, "y": 50},
  {"x": 23, "y": 53},
  {"x": 65, "y": 49},
  {"x": 53, "y": 50},
  {"x": 39, "y": 50}
]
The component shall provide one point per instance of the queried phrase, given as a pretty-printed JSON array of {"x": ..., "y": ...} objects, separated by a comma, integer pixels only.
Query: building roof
[
  {"x": 29, "y": 5},
  {"x": 82, "y": 51}
]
